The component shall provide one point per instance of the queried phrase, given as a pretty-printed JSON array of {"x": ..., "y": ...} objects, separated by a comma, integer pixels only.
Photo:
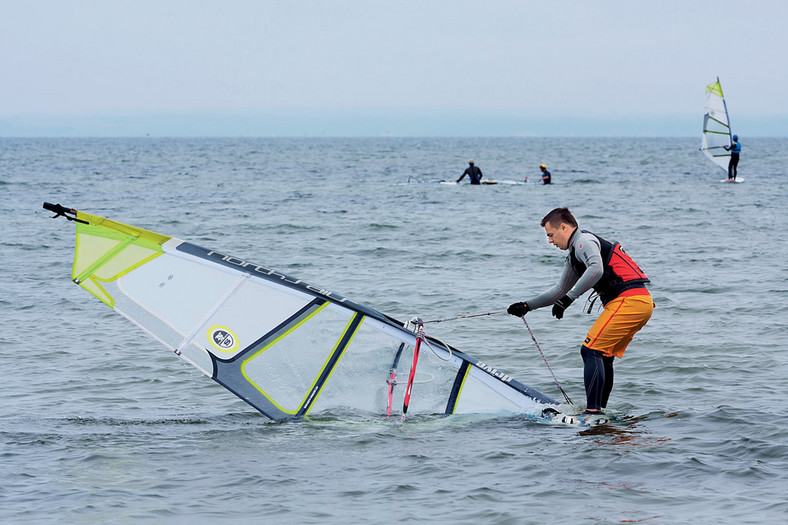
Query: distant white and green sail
[{"x": 716, "y": 127}]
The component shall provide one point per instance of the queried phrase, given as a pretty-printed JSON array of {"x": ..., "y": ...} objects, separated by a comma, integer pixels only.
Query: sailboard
[
  {"x": 286, "y": 347},
  {"x": 413, "y": 180},
  {"x": 506, "y": 182},
  {"x": 716, "y": 127}
]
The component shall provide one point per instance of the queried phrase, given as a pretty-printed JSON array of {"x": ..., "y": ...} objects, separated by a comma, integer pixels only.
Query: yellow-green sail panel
[
  {"x": 715, "y": 88},
  {"x": 106, "y": 250}
]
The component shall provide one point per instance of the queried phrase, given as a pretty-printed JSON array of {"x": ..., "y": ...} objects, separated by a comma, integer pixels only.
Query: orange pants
[{"x": 621, "y": 319}]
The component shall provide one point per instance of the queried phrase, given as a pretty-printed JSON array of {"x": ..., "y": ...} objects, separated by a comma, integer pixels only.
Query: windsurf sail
[
  {"x": 286, "y": 347},
  {"x": 716, "y": 127}
]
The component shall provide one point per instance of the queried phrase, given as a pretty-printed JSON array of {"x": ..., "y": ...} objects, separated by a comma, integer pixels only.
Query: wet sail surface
[{"x": 285, "y": 346}]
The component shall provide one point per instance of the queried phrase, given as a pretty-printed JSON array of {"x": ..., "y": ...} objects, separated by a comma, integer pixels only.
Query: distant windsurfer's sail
[
  {"x": 716, "y": 127},
  {"x": 286, "y": 347}
]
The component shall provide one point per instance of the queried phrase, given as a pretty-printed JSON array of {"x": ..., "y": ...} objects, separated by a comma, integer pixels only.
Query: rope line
[
  {"x": 545, "y": 362},
  {"x": 464, "y": 317}
]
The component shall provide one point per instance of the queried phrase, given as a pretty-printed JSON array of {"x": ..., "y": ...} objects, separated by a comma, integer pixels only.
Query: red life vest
[{"x": 620, "y": 273}]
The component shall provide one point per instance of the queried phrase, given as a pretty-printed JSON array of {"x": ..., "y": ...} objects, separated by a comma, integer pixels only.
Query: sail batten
[{"x": 203, "y": 322}]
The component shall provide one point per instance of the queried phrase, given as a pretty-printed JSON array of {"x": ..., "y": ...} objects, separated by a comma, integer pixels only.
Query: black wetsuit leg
[
  {"x": 608, "y": 379},
  {"x": 593, "y": 377},
  {"x": 733, "y": 166}
]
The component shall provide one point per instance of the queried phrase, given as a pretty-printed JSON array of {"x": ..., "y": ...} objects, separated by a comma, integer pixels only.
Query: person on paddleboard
[
  {"x": 594, "y": 262},
  {"x": 546, "y": 177},
  {"x": 473, "y": 172},
  {"x": 735, "y": 150}
]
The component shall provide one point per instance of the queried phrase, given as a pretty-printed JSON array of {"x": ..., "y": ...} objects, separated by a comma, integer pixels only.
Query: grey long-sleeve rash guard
[{"x": 587, "y": 250}]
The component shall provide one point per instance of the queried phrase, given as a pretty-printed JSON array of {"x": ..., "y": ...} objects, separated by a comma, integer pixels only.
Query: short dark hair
[{"x": 558, "y": 216}]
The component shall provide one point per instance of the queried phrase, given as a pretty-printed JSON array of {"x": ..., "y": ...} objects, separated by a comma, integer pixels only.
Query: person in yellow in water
[
  {"x": 594, "y": 262},
  {"x": 546, "y": 177}
]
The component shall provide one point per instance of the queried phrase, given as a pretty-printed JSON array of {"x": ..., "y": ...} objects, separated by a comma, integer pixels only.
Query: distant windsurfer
[
  {"x": 595, "y": 263},
  {"x": 473, "y": 172},
  {"x": 735, "y": 150},
  {"x": 546, "y": 177}
]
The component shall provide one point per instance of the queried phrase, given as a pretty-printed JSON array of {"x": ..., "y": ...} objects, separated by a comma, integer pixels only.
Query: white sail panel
[
  {"x": 716, "y": 127},
  {"x": 359, "y": 383},
  {"x": 479, "y": 397},
  {"x": 366, "y": 368},
  {"x": 176, "y": 291},
  {"x": 288, "y": 368}
]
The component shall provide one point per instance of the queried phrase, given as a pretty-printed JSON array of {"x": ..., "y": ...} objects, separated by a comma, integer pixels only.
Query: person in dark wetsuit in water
[
  {"x": 546, "y": 177},
  {"x": 473, "y": 173},
  {"x": 604, "y": 266},
  {"x": 733, "y": 165}
]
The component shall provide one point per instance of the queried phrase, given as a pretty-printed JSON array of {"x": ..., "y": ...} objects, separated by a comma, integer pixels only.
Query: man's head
[
  {"x": 542, "y": 167},
  {"x": 470, "y": 162},
  {"x": 559, "y": 225}
]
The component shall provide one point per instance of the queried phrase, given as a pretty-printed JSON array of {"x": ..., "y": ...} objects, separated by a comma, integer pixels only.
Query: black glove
[
  {"x": 560, "y": 305},
  {"x": 518, "y": 309}
]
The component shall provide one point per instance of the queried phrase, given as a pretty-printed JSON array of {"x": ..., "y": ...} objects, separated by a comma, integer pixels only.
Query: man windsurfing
[{"x": 594, "y": 262}]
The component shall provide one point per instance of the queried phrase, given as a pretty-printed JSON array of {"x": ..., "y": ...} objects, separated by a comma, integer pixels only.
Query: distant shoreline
[{"x": 411, "y": 123}]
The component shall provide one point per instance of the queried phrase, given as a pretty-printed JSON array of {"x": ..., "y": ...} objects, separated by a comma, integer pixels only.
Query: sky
[{"x": 378, "y": 68}]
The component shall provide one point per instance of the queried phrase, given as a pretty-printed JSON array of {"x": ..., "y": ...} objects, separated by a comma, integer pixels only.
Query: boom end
[{"x": 62, "y": 211}]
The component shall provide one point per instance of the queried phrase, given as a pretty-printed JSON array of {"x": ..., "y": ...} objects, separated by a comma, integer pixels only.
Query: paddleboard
[
  {"x": 733, "y": 181},
  {"x": 411, "y": 180},
  {"x": 506, "y": 182}
]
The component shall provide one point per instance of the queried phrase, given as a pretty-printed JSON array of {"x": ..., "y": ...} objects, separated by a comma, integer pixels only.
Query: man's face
[{"x": 559, "y": 235}]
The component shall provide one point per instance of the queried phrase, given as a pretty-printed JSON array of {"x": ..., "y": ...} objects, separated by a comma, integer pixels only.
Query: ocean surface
[{"x": 100, "y": 424}]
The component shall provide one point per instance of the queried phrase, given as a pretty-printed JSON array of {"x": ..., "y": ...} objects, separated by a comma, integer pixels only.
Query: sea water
[{"x": 101, "y": 424}]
